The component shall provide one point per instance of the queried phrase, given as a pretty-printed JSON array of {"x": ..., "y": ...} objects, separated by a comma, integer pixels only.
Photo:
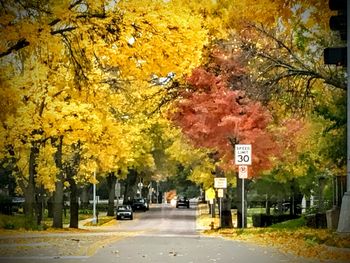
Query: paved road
[
  {"x": 163, "y": 220},
  {"x": 163, "y": 234}
]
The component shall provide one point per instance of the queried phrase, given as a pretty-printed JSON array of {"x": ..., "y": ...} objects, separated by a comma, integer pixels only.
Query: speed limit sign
[{"x": 243, "y": 154}]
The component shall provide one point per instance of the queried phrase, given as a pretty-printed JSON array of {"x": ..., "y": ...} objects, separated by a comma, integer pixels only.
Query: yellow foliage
[
  {"x": 158, "y": 37},
  {"x": 196, "y": 158},
  {"x": 46, "y": 169},
  {"x": 58, "y": 85},
  {"x": 22, "y": 160}
]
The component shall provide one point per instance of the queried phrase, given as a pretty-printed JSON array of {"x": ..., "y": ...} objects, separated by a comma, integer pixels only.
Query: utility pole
[
  {"x": 344, "y": 222},
  {"x": 94, "y": 200}
]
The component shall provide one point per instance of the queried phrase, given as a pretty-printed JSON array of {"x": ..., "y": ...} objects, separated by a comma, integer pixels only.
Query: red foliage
[
  {"x": 216, "y": 117},
  {"x": 289, "y": 137}
]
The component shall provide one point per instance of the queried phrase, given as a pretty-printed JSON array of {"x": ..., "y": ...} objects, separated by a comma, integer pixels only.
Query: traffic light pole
[{"x": 344, "y": 222}]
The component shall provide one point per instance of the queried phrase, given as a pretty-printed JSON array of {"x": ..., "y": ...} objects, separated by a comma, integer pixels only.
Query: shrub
[
  {"x": 264, "y": 220},
  {"x": 5, "y": 205},
  {"x": 9, "y": 225},
  {"x": 318, "y": 220}
]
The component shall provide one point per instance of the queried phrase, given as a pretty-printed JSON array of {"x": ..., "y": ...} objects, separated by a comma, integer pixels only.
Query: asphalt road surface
[{"x": 165, "y": 234}]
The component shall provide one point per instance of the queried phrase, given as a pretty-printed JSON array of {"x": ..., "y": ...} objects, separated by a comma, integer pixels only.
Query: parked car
[
  {"x": 140, "y": 204},
  {"x": 182, "y": 201},
  {"x": 124, "y": 211}
]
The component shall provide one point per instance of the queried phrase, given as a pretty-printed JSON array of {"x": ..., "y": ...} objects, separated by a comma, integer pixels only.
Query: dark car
[
  {"x": 140, "y": 204},
  {"x": 182, "y": 201},
  {"x": 124, "y": 211}
]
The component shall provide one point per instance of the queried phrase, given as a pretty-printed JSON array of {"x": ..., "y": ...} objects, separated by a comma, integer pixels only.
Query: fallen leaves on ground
[
  {"x": 50, "y": 246},
  {"x": 321, "y": 244},
  {"x": 50, "y": 230},
  {"x": 103, "y": 220}
]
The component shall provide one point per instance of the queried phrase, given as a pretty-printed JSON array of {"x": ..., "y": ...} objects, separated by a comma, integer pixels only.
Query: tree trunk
[
  {"x": 74, "y": 205},
  {"x": 40, "y": 199},
  {"x": 111, "y": 180},
  {"x": 291, "y": 207},
  {"x": 50, "y": 207},
  {"x": 130, "y": 183},
  {"x": 268, "y": 204},
  {"x": 29, "y": 206},
  {"x": 71, "y": 171},
  {"x": 226, "y": 216},
  {"x": 295, "y": 199},
  {"x": 84, "y": 198},
  {"x": 58, "y": 193},
  {"x": 29, "y": 190}
]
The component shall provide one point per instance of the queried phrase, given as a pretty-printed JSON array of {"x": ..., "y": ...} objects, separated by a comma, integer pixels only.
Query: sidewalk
[
  {"x": 82, "y": 223},
  {"x": 59, "y": 243}
]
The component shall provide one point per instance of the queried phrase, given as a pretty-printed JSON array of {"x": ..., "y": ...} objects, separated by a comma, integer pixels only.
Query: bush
[
  {"x": 256, "y": 218},
  {"x": 264, "y": 220},
  {"x": 5, "y": 205},
  {"x": 318, "y": 220},
  {"x": 85, "y": 211},
  {"x": 9, "y": 225}
]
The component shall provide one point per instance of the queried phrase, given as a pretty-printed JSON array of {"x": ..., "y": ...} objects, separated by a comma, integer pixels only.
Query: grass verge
[
  {"x": 101, "y": 221},
  {"x": 290, "y": 236}
]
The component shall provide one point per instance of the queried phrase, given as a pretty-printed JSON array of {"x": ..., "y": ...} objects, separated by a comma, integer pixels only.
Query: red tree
[
  {"x": 214, "y": 112},
  {"x": 215, "y": 116}
]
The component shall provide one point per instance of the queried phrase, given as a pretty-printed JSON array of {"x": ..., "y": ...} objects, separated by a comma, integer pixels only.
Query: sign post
[
  {"x": 209, "y": 196},
  {"x": 220, "y": 183},
  {"x": 220, "y": 195},
  {"x": 94, "y": 218},
  {"x": 243, "y": 174},
  {"x": 243, "y": 157}
]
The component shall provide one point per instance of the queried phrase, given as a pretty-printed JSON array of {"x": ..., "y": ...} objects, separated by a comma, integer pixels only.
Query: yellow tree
[{"x": 74, "y": 54}]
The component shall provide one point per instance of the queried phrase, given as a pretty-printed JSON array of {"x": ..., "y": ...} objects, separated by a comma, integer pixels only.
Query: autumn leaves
[{"x": 82, "y": 71}]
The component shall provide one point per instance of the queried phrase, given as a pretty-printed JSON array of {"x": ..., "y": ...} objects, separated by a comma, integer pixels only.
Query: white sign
[
  {"x": 242, "y": 171},
  {"x": 220, "y": 193},
  {"x": 243, "y": 154},
  {"x": 220, "y": 182}
]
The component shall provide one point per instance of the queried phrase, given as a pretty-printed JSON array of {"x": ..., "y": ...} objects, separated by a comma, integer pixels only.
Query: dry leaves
[{"x": 318, "y": 244}]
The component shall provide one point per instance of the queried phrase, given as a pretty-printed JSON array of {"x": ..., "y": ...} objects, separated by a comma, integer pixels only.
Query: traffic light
[{"x": 337, "y": 55}]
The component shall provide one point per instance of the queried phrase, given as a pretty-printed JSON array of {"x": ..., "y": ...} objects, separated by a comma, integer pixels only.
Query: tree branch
[
  {"x": 63, "y": 30},
  {"x": 22, "y": 43},
  {"x": 19, "y": 45}
]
